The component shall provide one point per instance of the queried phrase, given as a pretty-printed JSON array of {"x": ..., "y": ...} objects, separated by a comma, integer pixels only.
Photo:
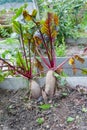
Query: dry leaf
[
  {"x": 59, "y": 70},
  {"x": 74, "y": 69},
  {"x": 71, "y": 61},
  {"x": 49, "y": 26},
  {"x": 56, "y": 20},
  {"x": 27, "y": 16},
  {"x": 37, "y": 40},
  {"x": 54, "y": 34},
  {"x": 39, "y": 65},
  {"x": 79, "y": 58}
]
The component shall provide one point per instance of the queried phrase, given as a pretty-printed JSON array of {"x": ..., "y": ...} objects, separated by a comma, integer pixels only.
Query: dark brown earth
[{"x": 18, "y": 113}]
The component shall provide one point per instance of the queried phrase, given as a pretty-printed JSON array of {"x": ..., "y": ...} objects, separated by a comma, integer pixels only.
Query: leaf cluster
[
  {"x": 33, "y": 33},
  {"x": 69, "y": 13}
]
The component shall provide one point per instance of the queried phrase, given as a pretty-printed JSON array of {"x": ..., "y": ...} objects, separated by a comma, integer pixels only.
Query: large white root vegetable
[
  {"x": 50, "y": 86},
  {"x": 35, "y": 89}
]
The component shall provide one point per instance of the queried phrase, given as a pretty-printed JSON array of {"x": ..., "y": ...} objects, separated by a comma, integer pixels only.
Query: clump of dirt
[{"x": 68, "y": 111}]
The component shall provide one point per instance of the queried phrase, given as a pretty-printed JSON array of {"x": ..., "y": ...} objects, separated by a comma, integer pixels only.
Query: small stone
[
  {"x": 57, "y": 125},
  {"x": 1, "y": 125},
  {"x": 1, "y": 111},
  {"x": 50, "y": 101},
  {"x": 61, "y": 125},
  {"x": 24, "y": 128},
  {"x": 29, "y": 106},
  {"x": 47, "y": 126}
]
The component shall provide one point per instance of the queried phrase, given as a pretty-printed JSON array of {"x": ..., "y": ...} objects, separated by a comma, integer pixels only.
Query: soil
[{"x": 18, "y": 113}]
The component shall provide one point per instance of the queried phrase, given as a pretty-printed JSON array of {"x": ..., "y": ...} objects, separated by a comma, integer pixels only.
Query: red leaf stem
[
  {"x": 43, "y": 59},
  {"x": 15, "y": 69},
  {"x": 30, "y": 70},
  {"x": 50, "y": 39},
  {"x": 59, "y": 66},
  {"x": 43, "y": 40}
]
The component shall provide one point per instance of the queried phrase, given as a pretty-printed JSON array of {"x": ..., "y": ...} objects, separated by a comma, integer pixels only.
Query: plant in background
[
  {"x": 5, "y": 32},
  {"x": 68, "y": 13},
  {"x": 5, "y": 23},
  {"x": 60, "y": 49}
]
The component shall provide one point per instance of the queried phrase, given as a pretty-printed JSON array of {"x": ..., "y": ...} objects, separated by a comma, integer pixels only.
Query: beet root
[
  {"x": 35, "y": 89},
  {"x": 50, "y": 86}
]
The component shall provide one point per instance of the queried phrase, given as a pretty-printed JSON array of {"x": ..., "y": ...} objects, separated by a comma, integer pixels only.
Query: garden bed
[{"x": 65, "y": 112}]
